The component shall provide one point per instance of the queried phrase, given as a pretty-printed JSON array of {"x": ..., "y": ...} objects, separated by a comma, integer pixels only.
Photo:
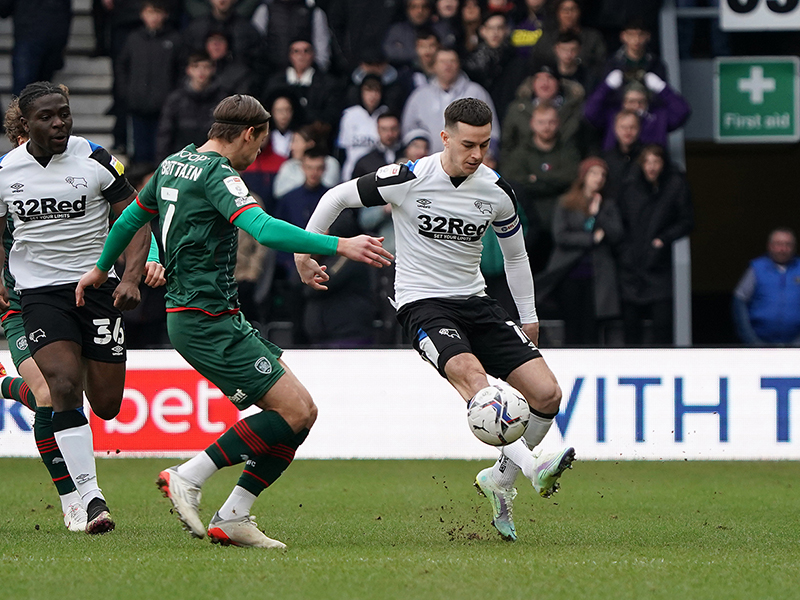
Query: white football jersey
[
  {"x": 60, "y": 211},
  {"x": 439, "y": 222}
]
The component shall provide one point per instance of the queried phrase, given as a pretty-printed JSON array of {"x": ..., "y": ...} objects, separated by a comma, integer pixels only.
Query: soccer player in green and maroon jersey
[{"x": 201, "y": 201}]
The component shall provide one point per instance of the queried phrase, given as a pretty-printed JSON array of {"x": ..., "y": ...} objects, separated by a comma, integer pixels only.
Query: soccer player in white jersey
[
  {"x": 59, "y": 190},
  {"x": 441, "y": 207}
]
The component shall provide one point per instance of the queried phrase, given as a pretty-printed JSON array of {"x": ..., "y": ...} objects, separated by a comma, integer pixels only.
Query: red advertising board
[{"x": 170, "y": 411}]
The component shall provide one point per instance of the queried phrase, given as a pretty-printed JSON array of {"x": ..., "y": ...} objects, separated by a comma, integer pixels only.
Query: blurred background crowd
[{"x": 583, "y": 106}]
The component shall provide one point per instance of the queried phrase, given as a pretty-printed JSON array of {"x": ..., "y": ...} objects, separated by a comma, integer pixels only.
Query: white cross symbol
[{"x": 756, "y": 85}]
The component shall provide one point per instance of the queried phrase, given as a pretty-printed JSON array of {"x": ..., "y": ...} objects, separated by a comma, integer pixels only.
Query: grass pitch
[{"x": 417, "y": 530}]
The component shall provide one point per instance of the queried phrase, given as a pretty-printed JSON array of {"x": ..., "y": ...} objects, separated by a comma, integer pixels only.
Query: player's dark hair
[
  {"x": 12, "y": 122},
  {"x": 469, "y": 111},
  {"x": 235, "y": 114},
  {"x": 34, "y": 91}
]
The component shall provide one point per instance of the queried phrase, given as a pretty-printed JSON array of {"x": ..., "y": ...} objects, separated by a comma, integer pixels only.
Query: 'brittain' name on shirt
[{"x": 182, "y": 170}]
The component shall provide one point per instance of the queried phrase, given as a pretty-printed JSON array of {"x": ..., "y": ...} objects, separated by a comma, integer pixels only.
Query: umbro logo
[
  {"x": 16, "y": 188},
  {"x": 77, "y": 182},
  {"x": 424, "y": 202}
]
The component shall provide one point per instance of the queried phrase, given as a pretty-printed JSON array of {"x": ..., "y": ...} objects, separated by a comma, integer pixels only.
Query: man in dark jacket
[
  {"x": 656, "y": 210},
  {"x": 623, "y": 155},
  {"x": 188, "y": 112},
  {"x": 246, "y": 41},
  {"x": 147, "y": 71}
]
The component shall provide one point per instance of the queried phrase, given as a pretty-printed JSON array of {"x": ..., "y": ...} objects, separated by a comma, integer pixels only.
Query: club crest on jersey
[
  {"x": 16, "y": 188},
  {"x": 22, "y": 344},
  {"x": 484, "y": 207},
  {"x": 424, "y": 202},
  {"x": 387, "y": 171},
  {"x": 76, "y": 182},
  {"x": 451, "y": 333}
]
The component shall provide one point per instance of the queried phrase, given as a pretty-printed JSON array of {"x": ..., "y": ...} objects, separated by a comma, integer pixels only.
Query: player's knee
[
  {"x": 65, "y": 394},
  {"x": 552, "y": 400},
  {"x": 106, "y": 408}
]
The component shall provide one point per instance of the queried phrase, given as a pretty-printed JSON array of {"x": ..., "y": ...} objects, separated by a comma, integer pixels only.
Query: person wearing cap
[
  {"x": 201, "y": 202},
  {"x": 582, "y": 272},
  {"x": 543, "y": 86},
  {"x": 661, "y": 109},
  {"x": 416, "y": 144}
]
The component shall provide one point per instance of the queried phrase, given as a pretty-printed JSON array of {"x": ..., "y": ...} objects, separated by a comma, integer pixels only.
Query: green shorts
[
  {"x": 227, "y": 351},
  {"x": 15, "y": 334}
]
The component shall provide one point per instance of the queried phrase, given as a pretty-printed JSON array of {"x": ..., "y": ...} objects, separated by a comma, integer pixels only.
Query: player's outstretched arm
[
  {"x": 127, "y": 295},
  {"x": 366, "y": 249}
]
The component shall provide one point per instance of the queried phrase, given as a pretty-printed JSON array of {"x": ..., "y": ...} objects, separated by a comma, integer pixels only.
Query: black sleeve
[
  {"x": 120, "y": 189},
  {"x": 369, "y": 184}
]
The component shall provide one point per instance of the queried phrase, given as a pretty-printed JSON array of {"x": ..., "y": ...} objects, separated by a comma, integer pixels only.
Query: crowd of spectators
[{"x": 582, "y": 115}]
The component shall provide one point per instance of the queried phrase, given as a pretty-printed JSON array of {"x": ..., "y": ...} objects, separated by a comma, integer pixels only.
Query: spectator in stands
[
  {"x": 282, "y": 21},
  {"x": 296, "y": 208},
  {"x": 343, "y": 315},
  {"x": 529, "y": 28},
  {"x": 401, "y": 38},
  {"x": 358, "y": 27},
  {"x": 291, "y": 174},
  {"x": 41, "y": 31},
  {"x": 656, "y": 210},
  {"x": 542, "y": 168},
  {"x": 426, "y": 47},
  {"x": 187, "y": 113},
  {"x": 766, "y": 302},
  {"x": 583, "y": 270},
  {"x": 633, "y": 58},
  {"x": 395, "y": 85},
  {"x": 487, "y": 64},
  {"x": 386, "y": 151},
  {"x": 231, "y": 76},
  {"x": 275, "y": 148},
  {"x": 315, "y": 91},
  {"x": 358, "y": 129},
  {"x": 416, "y": 144},
  {"x": 626, "y": 150},
  {"x": 542, "y": 87},
  {"x": 195, "y": 9},
  {"x": 471, "y": 17},
  {"x": 667, "y": 111},
  {"x": 592, "y": 55},
  {"x": 148, "y": 67},
  {"x": 425, "y": 107},
  {"x": 567, "y": 50},
  {"x": 246, "y": 43},
  {"x": 447, "y": 23}
]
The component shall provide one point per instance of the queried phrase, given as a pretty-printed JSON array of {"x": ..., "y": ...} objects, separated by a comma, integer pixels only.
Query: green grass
[{"x": 417, "y": 529}]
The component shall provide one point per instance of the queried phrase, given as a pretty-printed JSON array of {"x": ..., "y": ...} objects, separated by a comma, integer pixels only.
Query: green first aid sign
[{"x": 756, "y": 99}]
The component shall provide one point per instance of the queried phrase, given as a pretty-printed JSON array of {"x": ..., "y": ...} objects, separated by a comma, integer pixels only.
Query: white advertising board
[{"x": 618, "y": 405}]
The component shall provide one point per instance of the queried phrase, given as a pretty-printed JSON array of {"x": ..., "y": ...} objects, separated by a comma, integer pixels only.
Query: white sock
[
  {"x": 68, "y": 499},
  {"x": 196, "y": 470},
  {"x": 237, "y": 505},
  {"x": 504, "y": 472},
  {"x": 521, "y": 456},
  {"x": 536, "y": 430},
  {"x": 77, "y": 449}
]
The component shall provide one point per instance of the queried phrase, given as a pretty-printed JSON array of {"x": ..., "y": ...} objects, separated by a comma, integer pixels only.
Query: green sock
[
  {"x": 48, "y": 449},
  {"x": 249, "y": 438},
  {"x": 262, "y": 471},
  {"x": 15, "y": 388}
]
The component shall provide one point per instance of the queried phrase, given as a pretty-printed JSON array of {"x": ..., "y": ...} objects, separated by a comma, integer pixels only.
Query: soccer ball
[{"x": 498, "y": 415}]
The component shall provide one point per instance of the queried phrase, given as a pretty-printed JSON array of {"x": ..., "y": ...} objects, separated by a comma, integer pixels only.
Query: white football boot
[
  {"x": 501, "y": 500},
  {"x": 242, "y": 531},
  {"x": 185, "y": 499},
  {"x": 548, "y": 468}
]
